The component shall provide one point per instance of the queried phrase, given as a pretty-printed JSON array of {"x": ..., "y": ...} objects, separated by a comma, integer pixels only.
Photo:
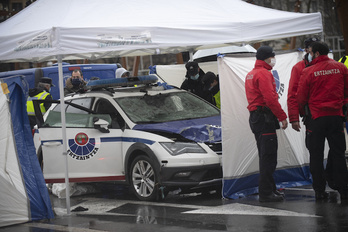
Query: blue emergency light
[{"x": 123, "y": 82}]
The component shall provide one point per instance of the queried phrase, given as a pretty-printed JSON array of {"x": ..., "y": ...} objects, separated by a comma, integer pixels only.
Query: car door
[{"x": 93, "y": 155}]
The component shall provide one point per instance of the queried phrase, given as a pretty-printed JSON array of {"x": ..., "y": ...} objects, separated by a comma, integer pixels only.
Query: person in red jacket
[
  {"x": 293, "y": 111},
  {"x": 324, "y": 87},
  {"x": 265, "y": 111}
]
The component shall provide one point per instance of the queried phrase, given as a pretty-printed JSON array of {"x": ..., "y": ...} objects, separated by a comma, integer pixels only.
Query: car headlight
[{"x": 181, "y": 148}]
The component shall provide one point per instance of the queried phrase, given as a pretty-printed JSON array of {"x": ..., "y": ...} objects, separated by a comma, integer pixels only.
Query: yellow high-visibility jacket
[{"x": 30, "y": 106}]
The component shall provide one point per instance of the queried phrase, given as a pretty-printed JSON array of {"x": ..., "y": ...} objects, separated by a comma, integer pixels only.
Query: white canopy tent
[
  {"x": 223, "y": 50},
  {"x": 89, "y": 29}
]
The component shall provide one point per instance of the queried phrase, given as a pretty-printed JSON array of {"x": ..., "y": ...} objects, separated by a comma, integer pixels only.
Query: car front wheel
[{"x": 144, "y": 178}]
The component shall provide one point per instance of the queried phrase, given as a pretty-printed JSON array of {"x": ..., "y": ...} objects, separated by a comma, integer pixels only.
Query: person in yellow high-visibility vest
[
  {"x": 344, "y": 60},
  {"x": 211, "y": 85},
  {"x": 41, "y": 92}
]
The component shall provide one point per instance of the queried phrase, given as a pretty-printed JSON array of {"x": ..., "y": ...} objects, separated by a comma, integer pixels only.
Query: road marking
[
  {"x": 102, "y": 206},
  {"x": 59, "y": 228},
  {"x": 242, "y": 209}
]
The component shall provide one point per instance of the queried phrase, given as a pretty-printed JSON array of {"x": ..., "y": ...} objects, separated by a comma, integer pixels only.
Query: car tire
[{"x": 144, "y": 178}]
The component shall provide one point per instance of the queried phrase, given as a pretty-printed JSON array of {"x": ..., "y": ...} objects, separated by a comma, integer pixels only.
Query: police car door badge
[{"x": 82, "y": 147}]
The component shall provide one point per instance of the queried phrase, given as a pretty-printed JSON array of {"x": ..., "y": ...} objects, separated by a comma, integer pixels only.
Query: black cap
[
  {"x": 264, "y": 52},
  {"x": 309, "y": 41},
  {"x": 192, "y": 68},
  {"x": 46, "y": 80}
]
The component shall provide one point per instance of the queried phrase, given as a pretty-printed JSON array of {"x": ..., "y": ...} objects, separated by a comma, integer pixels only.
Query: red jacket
[
  {"x": 296, "y": 71},
  {"x": 324, "y": 87},
  {"x": 260, "y": 89}
]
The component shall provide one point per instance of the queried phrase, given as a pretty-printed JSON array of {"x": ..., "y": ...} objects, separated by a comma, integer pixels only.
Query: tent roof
[
  {"x": 223, "y": 50},
  {"x": 89, "y": 29}
]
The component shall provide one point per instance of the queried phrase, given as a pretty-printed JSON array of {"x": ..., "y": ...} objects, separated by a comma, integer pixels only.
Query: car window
[
  {"x": 104, "y": 106},
  {"x": 84, "y": 102},
  {"x": 166, "y": 107},
  {"x": 75, "y": 117}
]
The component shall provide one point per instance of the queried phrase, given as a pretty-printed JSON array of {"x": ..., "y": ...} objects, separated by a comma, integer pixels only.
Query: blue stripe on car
[
  {"x": 127, "y": 139},
  {"x": 113, "y": 139}
]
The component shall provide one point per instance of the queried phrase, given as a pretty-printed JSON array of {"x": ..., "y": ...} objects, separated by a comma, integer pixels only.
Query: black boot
[
  {"x": 279, "y": 193},
  {"x": 271, "y": 198},
  {"x": 343, "y": 195},
  {"x": 321, "y": 195}
]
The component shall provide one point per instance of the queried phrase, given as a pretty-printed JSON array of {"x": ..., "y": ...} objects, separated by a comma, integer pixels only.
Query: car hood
[{"x": 198, "y": 130}]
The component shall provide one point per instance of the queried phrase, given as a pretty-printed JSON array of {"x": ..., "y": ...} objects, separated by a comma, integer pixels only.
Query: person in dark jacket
[
  {"x": 211, "y": 85},
  {"x": 193, "y": 82},
  {"x": 324, "y": 88},
  {"x": 41, "y": 92},
  {"x": 75, "y": 82},
  {"x": 265, "y": 111}
]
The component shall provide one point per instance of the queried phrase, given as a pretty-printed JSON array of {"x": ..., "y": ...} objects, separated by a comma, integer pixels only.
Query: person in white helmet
[{"x": 122, "y": 72}]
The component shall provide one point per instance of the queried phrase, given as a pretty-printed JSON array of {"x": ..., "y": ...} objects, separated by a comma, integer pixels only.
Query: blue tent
[{"x": 23, "y": 193}]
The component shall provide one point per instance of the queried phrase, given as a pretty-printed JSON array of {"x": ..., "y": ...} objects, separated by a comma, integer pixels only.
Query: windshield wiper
[{"x": 145, "y": 122}]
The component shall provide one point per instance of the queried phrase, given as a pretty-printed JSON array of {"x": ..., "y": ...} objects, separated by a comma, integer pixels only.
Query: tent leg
[
  {"x": 191, "y": 54},
  {"x": 61, "y": 94}
]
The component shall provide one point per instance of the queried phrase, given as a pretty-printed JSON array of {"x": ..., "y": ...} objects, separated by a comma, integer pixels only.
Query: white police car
[{"x": 149, "y": 136}]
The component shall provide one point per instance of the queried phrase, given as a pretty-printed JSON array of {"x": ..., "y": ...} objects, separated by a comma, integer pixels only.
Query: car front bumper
[{"x": 191, "y": 176}]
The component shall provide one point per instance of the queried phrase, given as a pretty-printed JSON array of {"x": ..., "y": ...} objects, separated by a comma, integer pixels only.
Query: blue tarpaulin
[{"x": 39, "y": 206}]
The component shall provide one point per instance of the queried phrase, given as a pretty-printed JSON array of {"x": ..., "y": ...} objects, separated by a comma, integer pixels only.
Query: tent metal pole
[
  {"x": 64, "y": 152},
  {"x": 191, "y": 54}
]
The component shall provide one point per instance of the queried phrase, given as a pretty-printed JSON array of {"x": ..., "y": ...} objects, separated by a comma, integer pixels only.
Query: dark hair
[
  {"x": 209, "y": 78},
  {"x": 320, "y": 47},
  {"x": 94, "y": 78},
  {"x": 77, "y": 70},
  {"x": 309, "y": 41}
]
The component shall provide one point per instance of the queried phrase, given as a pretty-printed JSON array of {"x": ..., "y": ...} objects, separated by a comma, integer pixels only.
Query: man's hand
[
  {"x": 284, "y": 124},
  {"x": 296, "y": 126}
]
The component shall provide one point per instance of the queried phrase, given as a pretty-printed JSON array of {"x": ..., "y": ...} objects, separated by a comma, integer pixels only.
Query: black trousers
[
  {"x": 32, "y": 121},
  {"x": 267, "y": 145},
  {"x": 329, "y": 167},
  {"x": 330, "y": 128}
]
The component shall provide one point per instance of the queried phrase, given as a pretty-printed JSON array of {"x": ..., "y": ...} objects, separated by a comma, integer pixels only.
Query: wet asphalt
[{"x": 114, "y": 208}]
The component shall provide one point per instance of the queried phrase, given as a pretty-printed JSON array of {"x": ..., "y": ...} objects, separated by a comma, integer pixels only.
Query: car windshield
[{"x": 166, "y": 107}]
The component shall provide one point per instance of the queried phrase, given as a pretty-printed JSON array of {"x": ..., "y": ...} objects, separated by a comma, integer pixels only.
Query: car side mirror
[{"x": 101, "y": 125}]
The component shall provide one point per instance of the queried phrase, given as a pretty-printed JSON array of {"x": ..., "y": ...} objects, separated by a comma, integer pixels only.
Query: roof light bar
[{"x": 123, "y": 82}]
